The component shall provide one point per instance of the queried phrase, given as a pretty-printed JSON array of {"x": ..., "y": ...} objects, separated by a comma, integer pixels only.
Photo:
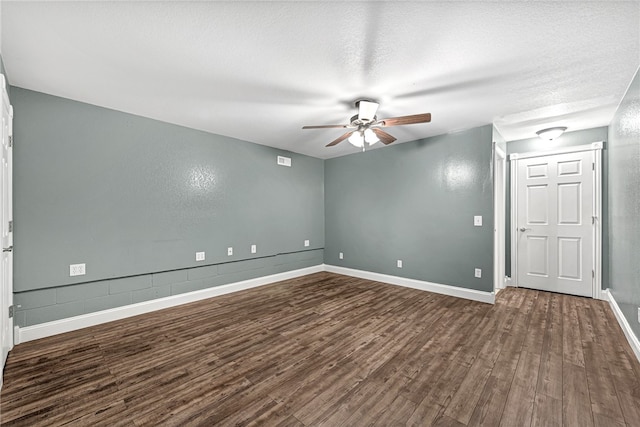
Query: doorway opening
[{"x": 556, "y": 230}]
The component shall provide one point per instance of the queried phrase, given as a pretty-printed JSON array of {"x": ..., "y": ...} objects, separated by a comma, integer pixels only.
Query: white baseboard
[
  {"x": 43, "y": 330},
  {"x": 30, "y": 333},
  {"x": 626, "y": 328},
  {"x": 453, "y": 291}
]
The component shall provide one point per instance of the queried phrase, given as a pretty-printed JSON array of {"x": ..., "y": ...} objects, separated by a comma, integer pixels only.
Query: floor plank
[
  {"x": 326, "y": 349},
  {"x": 576, "y": 403}
]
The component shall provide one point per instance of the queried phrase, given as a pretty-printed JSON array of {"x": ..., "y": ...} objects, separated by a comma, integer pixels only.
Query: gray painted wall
[
  {"x": 46, "y": 305},
  {"x": 415, "y": 202},
  {"x": 132, "y": 196},
  {"x": 624, "y": 205},
  {"x": 569, "y": 139}
]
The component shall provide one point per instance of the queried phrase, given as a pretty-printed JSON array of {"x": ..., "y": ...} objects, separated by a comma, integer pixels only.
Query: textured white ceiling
[{"x": 259, "y": 71}]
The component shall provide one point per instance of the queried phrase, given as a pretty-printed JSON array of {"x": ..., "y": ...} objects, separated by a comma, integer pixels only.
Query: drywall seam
[
  {"x": 42, "y": 330},
  {"x": 30, "y": 333}
]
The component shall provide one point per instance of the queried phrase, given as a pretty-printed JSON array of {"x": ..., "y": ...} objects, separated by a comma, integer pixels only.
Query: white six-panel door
[{"x": 556, "y": 214}]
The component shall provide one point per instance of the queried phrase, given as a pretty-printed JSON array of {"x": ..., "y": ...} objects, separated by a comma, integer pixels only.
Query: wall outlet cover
[
  {"x": 478, "y": 273},
  {"x": 341, "y": 255},
  {"x": 399, "y": 263},
  {"x": 229, "y": 251},
  {"x": 254, "y": 249},
  {"x": 77, "y": 270},
  {"x": 477, "y": 220},
  {"x": 306, "y": 243},
  {"x": 199, "y": 256}
]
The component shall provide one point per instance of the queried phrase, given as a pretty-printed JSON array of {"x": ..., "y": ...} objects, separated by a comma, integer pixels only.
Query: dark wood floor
[{"x": 332, "y": 350}]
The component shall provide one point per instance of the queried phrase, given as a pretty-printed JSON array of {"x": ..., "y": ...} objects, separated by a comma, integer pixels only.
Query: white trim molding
[
  {"x": 30, "y": 333},
  {"x": 43, "y": 330},
  {"x": 507, "y": 282},
  {"x": 454, "y": 291},
  {"x": 626, "y": 328},
  {"x": 499, "y": 217},
  {"x": 570, "y": 149}
]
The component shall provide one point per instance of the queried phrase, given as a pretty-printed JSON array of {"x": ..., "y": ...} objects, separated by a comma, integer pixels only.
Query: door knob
[{"x": 524, "y": 229}]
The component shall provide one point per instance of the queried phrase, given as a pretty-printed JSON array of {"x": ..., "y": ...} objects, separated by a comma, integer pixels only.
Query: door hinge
[
  {"x": 10, "y": 311},
  {"x": 10, "y": 226},
  {"x": 10, "y": 140},
  {"x": 593, "y": 166},
  {"x": 593, "y": 274}
]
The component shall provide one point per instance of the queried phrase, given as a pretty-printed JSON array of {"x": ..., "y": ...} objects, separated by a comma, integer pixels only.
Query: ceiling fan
[{"x": 367, "y": 126}]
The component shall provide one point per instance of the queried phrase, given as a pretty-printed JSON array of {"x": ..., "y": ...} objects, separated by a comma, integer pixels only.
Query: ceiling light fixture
[
  {"x": 551, "y": 133},
  {"x": 357, "y": 139}
]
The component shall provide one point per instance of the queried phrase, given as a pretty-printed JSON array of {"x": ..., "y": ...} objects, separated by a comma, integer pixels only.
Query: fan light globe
[
  {"x": 370, "y": 137},
  {"x": 357, "y": 139}
]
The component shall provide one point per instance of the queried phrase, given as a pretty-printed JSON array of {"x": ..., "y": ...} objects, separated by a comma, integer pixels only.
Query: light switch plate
[
  {"x": 229, "y": 251},
  {"x": 341, "y": 256},
  {"x": 254, "y": 249},
  {"x": 306, "y": 243},
  {"x": 399, "y": 263},
  {"x": 199, "y": 256},
  {"x": 477, "y": 220},
  {"x": 77, "y": 270},
  {"x": 478, "y": 273}
]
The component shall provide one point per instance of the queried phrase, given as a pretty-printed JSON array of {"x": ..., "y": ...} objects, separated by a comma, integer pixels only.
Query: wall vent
[{"x": 284, "y": 161}]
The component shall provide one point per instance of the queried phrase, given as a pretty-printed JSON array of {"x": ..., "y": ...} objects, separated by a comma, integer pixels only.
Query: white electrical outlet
[
  {"x": 477, "y": 220},
  {"x": 478, "y": 273},
  {"x": 254, "y": 249},
  {"x": 199, "y": 256},
  {"x": 77, "y": 269},
  {"x": 229, "y": 251},
  {"x": 399, "y": 263},
  {"x": 306, "y": 243},
  {"x": 341, "y": 255}
]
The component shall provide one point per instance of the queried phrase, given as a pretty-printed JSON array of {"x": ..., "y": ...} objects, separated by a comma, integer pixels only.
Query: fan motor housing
[{"x": 355, "y": 121}]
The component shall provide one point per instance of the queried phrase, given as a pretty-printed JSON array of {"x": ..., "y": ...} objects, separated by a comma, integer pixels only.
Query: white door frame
[
  {"x": 596, "y": 147},
  {"x": 7, "y": 289},
  {"x": 499, "y": 218}
]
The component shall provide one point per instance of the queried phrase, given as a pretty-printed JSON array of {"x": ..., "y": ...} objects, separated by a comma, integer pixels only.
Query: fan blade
[
  {"x": 325, "y": 127},
  {"x": 367, "y": 110},
  {"x": 407, "y": 120},
  {"x": 384, "y": 137},
  {"x": 339, "y": 140}
]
